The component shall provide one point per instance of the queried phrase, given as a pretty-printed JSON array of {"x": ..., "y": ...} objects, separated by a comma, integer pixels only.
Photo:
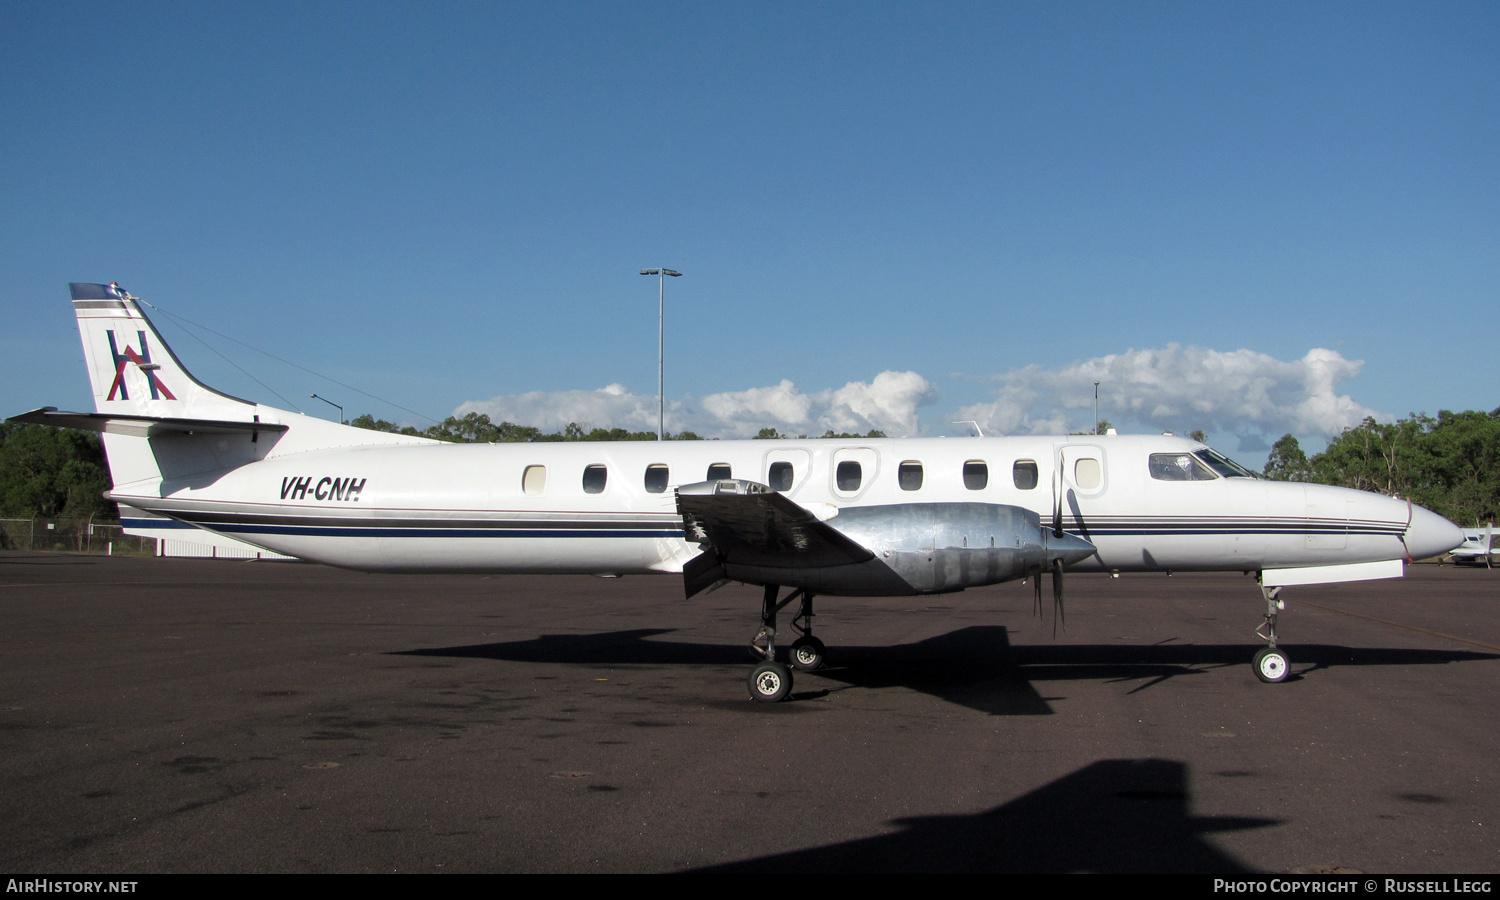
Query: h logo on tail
[{"x": 143, "y": 362}]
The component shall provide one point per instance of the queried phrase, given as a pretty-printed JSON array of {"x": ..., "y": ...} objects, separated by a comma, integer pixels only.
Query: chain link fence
[{"x": 102, "y": 536}]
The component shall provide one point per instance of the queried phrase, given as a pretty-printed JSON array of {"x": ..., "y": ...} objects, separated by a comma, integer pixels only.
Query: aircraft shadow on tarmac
[
  {"x": 1115, "y": 815},
  {"x": 975, "y": 666}
]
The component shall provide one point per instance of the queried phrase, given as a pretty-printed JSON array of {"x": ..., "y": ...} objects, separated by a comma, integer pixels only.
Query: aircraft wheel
[
  {"x": 770, "y": 682},
  {"x": 807, "y": 653},
  {"x": 1271, "y": 665}
]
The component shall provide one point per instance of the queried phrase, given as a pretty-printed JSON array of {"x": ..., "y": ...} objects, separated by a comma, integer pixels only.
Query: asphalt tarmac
[{"x": 161, "y": 715}]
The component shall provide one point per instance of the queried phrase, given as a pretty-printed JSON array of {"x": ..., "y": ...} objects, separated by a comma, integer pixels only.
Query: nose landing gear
[{"x": 1271, "y": 665}]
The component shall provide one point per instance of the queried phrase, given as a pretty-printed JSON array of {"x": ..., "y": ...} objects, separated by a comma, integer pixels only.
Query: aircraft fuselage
[{"x": 609, "y": 508}]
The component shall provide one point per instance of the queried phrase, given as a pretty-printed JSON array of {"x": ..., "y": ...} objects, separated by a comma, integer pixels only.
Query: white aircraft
[
  {"x": 1477, "y": 547},
  {"x": 861, "y": 517}
]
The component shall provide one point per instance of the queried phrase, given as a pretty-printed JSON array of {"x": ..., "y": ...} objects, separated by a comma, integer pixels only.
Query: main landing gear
[
  {"x": 1271, "y": 665},
  {"x": 771, "y": 681}
]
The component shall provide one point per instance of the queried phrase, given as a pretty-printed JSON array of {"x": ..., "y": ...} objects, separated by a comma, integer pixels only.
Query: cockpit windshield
[{"x": 1223, "y": 464}]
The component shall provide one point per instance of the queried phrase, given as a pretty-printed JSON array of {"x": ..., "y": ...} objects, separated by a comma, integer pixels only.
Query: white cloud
[
  {"x": 889, "y": 402},
  {"x": 1239, "y": 397},
  {"x": 757, "y": 408},
  {"x": 609, "y": 407},
  {"x": 1180, "y": 388}
]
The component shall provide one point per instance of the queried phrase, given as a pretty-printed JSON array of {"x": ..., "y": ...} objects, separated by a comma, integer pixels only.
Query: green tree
[
  {"x": 1463, "y": 462},
  {"x": 618, "y": 434},
  {"x": 1385, "y": 458},
  {"x": 1287, "y": 462},
  {"x": 47, "y": 471},
  {"x": 473, "y": 428},
  {"x": 371, "y": 423}
]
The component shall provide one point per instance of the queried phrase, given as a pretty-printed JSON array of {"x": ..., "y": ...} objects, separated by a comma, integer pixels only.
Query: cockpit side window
[
  {"x": 1179, "y": 467},
  {"x": 1223, "y": 464}
]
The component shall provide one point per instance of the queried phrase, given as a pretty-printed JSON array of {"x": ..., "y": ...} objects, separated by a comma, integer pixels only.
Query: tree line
[{"x": 1449, "y": 464}]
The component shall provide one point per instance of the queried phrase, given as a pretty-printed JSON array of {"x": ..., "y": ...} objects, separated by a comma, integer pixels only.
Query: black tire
[
  {"x": 770, "y": 682},
  {"x": 1271, "y": 666},
  {"x": 807, "y": 653}
]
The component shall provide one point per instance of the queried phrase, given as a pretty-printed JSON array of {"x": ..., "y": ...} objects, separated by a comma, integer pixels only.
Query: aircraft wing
[
  {"x": 745, "y": 523},
  {"x": 139, "y": 426}
]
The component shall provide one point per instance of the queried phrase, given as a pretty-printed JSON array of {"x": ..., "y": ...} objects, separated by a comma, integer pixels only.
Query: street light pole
[
  {"x": 332, "y": 404},
  {"x": 661, "y": 319},
  {"x": 1096, "y": 407}
]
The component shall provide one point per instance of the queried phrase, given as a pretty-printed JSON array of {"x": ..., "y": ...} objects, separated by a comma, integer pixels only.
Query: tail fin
[
  {"x": 163, "y": 429},
  {"x": 133, "y": 371}
]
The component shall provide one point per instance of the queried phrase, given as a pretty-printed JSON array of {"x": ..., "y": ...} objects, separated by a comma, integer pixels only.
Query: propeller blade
[
  {"x": 1057, "y": 492},
  {"x": 1405, "y": 549},
  {"x": 1036, "y": 605},
  {"x": 1057, "y": 595}
]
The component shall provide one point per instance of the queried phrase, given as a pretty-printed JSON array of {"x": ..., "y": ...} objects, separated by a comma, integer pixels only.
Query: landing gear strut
[
  {"x": 1271, "y": 665},
  {"x": 771, "y": 681}
]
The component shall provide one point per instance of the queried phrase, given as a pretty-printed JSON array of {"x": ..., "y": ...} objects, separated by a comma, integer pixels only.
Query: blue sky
[{"x": 447, "y": 206}]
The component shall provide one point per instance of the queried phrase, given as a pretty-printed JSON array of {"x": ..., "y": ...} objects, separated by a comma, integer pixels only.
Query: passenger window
[
  {"x": 534, "y": 480},
  {"x": 976, "y": 475},
  {"x": 594, "y": 478},
  {"x": 656, "y": 478},
  {"x": 1178, "y": 467},
  {"x": 718, "y": 471},
  {"x": 1086, "y": 474},
  {"x": 1024, "y": 474},
  {"x": 848, "y": 475},
  {"x": 909, "y": 476},
  {"x": 780, "y": 476}
]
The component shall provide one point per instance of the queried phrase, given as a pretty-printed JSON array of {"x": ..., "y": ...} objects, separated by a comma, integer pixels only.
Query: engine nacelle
[{"x": 940, "y": 547}]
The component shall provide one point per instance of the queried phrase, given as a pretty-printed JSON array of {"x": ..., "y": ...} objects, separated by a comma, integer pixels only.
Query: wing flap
[{"x": 747, "y": 524}]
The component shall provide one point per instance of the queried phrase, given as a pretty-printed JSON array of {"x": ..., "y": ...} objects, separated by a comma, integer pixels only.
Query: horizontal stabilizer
[
  {"x": 748, "y": 524},
  {"x": 140, "y": 426}
]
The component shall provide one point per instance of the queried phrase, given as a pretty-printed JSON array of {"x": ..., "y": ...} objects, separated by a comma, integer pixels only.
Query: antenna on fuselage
[{"x": 978, "y": 432}]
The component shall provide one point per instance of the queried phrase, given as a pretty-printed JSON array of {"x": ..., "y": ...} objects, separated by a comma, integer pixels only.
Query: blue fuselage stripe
[
  {"x": 512, "y": 529},
  {"x": 357, "y": 531},
  {"x": 502, "y": 530}
]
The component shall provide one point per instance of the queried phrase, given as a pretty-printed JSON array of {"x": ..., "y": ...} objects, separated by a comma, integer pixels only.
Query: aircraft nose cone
[
  {"x": 1069, "y": 548},
  {"x": 1429, "y": 534}
]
